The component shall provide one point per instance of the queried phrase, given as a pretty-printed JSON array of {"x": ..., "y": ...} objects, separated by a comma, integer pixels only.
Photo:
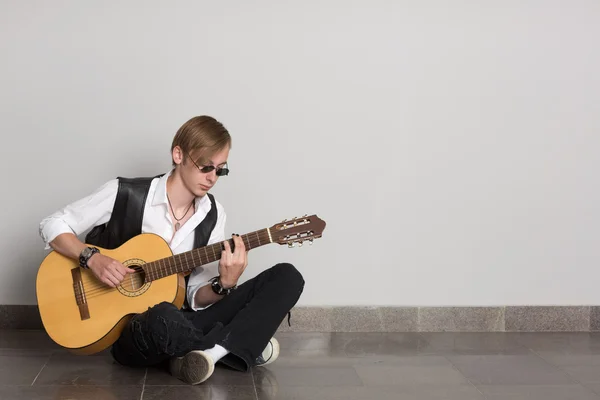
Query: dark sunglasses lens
[
  {"x": 207, "y": 169},
  {"x": 219, "y": 172}
]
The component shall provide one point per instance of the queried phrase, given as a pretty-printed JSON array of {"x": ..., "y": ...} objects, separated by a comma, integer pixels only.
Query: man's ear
[{"x": 177, "y": 155}]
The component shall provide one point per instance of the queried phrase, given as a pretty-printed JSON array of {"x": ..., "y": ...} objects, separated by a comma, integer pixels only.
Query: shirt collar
[{"x": 160, "y": 195}]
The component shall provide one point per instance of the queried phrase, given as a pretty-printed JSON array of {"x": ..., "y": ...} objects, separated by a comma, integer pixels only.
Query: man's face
[{"x": 197, "y": 181}]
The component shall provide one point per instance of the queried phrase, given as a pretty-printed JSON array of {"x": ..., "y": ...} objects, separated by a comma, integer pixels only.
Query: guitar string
[
  {"x": 264, "y": 233},
  {"x": 168, "y": 268},
  {"x": 97, "y": 289},
  {"x": 98, "y": 286}
]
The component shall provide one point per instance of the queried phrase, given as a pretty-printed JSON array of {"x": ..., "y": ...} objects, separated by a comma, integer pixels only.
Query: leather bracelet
[{"x": 215, "y": 284}]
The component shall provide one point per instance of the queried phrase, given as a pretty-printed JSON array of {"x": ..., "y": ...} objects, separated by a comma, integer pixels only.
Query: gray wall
[{"x": 452, "y": 147}]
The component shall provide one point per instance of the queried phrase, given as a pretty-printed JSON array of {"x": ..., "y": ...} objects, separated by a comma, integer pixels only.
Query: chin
[{"x": 199, "y": 192}]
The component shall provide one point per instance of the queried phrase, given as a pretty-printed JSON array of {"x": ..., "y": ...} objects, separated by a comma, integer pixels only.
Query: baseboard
[
  {"x": 398, "y": 319},
  {"x": 20, "y": 317},
  {"x": 444, "y": 319}
]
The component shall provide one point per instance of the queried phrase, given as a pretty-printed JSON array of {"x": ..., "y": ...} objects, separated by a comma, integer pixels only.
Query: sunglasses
[{"x": 221, "y": 171}]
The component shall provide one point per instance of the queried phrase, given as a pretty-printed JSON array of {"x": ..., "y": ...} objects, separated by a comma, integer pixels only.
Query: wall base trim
[{"x": 398, "y": 319}]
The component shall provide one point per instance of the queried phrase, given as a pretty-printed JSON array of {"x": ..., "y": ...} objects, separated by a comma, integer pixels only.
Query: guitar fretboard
[{"x": 204, "y": 255}]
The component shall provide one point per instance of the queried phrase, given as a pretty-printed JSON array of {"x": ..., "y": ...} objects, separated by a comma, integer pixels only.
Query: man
[{"x": 221, "y": 322}]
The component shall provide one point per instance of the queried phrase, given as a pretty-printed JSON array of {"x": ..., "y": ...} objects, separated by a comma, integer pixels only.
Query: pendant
[{"x": 177, "y": 227}]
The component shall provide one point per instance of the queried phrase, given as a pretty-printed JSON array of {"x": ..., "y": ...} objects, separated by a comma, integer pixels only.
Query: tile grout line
[
  {"x": 43, "y": 366},
  {"x": 144, "y": 384},
  {"x": 454, "y": 366},
  {"x": 254, "y": 382},
  {"x": 547, "y": 362}
]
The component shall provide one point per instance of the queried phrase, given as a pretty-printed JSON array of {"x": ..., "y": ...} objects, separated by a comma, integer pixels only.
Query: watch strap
[
  {"x": 215, "y": 284},
  {"x": 85, "y": 255}
]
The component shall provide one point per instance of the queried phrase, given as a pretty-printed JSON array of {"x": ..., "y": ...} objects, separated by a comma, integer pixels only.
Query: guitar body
[{"x": 87, "y": 316}]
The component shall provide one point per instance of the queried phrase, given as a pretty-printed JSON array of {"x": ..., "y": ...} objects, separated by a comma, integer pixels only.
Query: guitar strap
[{"x": 128, "y": 213}]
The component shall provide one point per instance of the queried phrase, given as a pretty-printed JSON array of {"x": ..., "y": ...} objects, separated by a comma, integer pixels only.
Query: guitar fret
[
  {"x": 186, "y": 261},
  {"x": 258, "y": 237}
]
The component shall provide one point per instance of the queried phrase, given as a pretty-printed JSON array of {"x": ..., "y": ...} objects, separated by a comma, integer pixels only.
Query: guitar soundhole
[{"x": 134, "y": 284}]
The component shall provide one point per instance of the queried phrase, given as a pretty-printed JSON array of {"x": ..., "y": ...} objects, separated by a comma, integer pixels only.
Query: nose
[{"x": 212, "y": 176}]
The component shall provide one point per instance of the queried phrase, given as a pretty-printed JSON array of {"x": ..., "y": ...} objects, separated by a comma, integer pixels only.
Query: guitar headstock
[{"x": 298, "y": 230}]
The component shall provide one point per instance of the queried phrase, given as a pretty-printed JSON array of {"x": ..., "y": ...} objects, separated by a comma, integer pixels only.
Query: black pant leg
[
  {"x": 252, "y": 313},
  {"x": 242, "y": 322},
  {"x": 161, "y": 332}
]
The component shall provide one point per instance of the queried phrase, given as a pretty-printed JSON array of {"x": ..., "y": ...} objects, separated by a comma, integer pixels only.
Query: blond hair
[{"x": 202, "y": 133}]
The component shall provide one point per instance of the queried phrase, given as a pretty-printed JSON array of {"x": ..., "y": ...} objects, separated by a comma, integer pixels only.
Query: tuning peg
[
  {"x": 290, "y": 244},
  {"x": 310, "y": 241},
  {"x": 305, "y": 215},
  {"x": 300, "y": 244}
]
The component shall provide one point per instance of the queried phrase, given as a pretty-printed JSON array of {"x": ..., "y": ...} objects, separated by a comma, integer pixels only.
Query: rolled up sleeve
[{"x": 81, "y": 215}]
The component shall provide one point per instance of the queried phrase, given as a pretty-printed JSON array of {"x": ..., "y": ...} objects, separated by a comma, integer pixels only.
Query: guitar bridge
[{"x": 80, "y": 298}]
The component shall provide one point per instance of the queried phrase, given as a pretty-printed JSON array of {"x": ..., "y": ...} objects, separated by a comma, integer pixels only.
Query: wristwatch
[
  {"x": 215, "y": 283},
  {"x": 85, "y": 255}
]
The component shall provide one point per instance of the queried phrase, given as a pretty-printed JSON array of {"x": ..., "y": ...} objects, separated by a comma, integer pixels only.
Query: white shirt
[{"x": 96, "y": 209}]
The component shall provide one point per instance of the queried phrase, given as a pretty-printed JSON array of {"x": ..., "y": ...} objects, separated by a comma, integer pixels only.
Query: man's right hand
[{"x": 108, "y": 270}]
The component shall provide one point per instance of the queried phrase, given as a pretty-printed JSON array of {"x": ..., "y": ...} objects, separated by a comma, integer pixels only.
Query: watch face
[{"x": 86, "y": 252}]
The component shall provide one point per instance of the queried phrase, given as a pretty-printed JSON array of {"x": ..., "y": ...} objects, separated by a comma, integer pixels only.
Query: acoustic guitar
[{"x": 86, "y": 316}]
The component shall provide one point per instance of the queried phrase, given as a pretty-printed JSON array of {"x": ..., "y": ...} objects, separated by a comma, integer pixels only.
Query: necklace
[{"x": 177, "y": 224}]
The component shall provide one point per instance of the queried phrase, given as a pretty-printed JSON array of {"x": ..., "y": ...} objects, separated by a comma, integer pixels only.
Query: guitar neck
[{"x": 187, "y": 261}]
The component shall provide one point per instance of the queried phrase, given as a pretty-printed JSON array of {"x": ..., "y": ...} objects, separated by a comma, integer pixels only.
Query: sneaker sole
[
  {"x": 275, "y": 353},
  {"x": 193, "y": 368}
]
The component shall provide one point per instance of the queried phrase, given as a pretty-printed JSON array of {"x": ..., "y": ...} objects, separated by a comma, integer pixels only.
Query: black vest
[{"x": 128, "y": 212}]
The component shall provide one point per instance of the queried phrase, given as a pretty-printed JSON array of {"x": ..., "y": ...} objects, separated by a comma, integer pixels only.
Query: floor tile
[
  {"x": 594, "y": 387},
  {"x": 274, "y": 375},
  {"x": 530, "y": 392},
  {"x": 70, "y": 392},
  {"x": 20, "y": 369},
  {"x": 424, "y": 370},
  {"x": 437, "y": 392},
  {"x": 201, "y": 391},
  {"x": 367, "y": 344},
  {"x": 306, "y": 343},
  {"x": 565, "y": 359},
  {"x": 584, "y": 373},
  {"x": 69, "y": 369},
  {"x": 509, "y": 370},
  {"x": 353, "y": 366},
  {"x": 473, "y": 343},
  {"x": 221, "y": 376}
]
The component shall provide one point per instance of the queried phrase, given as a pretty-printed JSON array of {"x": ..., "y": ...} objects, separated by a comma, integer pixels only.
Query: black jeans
[{"x": 242, "y": 322}]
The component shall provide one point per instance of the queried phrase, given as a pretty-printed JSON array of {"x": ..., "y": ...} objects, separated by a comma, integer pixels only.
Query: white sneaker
[
  {"x": 269, "y": 354},
  {"x": 193, "y": 368}
]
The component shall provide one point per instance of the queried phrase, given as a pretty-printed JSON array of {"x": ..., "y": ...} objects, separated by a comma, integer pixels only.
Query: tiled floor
[{"x": 344, "y": 366}]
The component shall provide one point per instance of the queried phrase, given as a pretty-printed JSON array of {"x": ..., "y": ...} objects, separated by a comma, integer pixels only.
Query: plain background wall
[{"x": 451, "y": 147}]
